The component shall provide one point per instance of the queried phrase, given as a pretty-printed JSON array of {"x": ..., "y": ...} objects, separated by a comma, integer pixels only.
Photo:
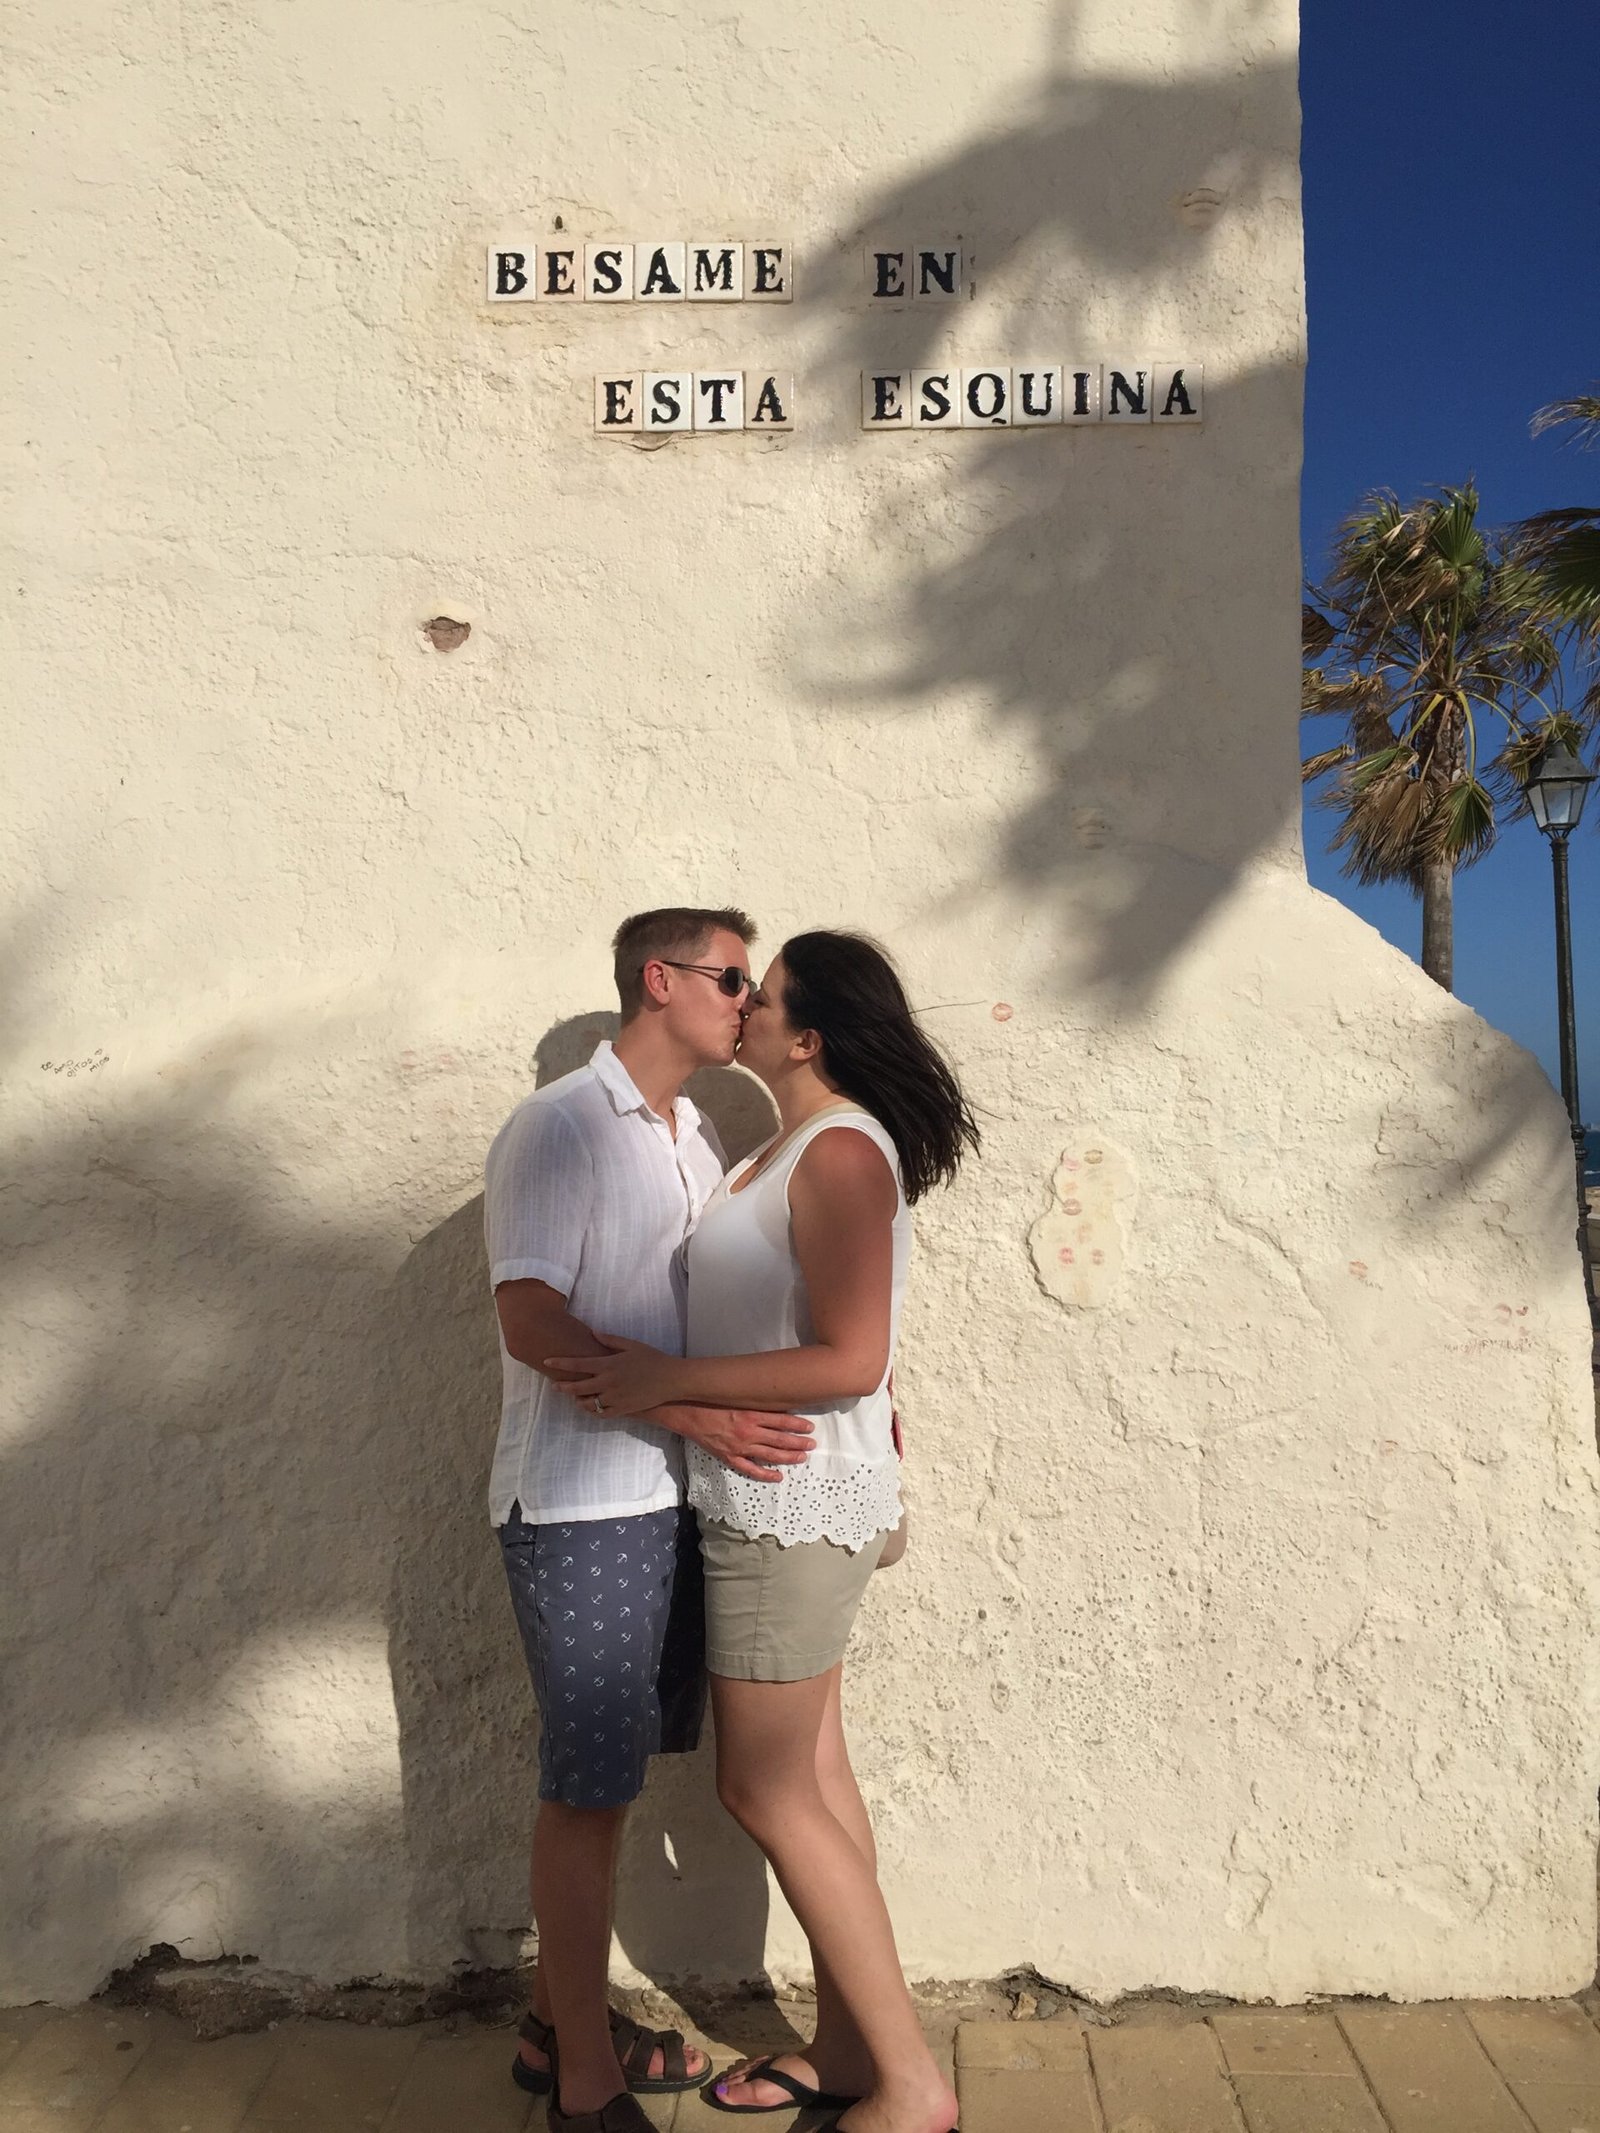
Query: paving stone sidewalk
[{"x": 1355, "y": 2067}]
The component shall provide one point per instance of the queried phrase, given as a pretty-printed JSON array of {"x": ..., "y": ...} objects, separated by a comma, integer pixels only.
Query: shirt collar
[{"x": 623, "y": 1091}]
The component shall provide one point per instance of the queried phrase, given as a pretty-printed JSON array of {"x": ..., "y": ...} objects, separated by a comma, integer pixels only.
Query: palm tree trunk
[{"x": 1438, "y": 922}]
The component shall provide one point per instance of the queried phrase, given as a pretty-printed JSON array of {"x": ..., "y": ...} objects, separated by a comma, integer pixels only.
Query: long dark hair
[{"x": 845, "y": 988}]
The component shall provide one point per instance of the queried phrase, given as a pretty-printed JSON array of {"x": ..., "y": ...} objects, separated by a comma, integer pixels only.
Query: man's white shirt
[{"x": 587, "y": 1189}]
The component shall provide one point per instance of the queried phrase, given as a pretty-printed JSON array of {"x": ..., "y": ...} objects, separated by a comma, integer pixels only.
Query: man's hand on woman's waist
[{"x": 758, "y": 1446}]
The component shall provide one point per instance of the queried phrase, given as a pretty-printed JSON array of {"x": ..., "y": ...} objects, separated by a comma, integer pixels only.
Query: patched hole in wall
[
  {"x": 1080, "y": 1243},
  {"x": 1199, "y": 208},
  {"x": 445, "y": 634}
]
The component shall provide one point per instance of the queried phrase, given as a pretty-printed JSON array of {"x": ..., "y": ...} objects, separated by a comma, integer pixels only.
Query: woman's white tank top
[{"x": 748, "y": 1295}]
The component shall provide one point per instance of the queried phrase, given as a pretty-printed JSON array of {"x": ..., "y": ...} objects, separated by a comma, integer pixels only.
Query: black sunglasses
[{"x": 731, "y": 982}]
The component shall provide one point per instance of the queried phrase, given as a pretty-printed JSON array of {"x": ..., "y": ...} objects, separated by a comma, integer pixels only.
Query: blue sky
[{"x": 1452, "y": 205}]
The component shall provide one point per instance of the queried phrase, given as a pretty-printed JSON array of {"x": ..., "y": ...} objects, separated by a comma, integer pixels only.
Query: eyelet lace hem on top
[{"x": 848, "y": 1508}]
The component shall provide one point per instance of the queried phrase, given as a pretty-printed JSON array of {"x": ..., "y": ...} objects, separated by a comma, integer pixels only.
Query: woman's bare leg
[
  {"x": 837, "y": 2059},
  {"x": 767, "y": 1740}
]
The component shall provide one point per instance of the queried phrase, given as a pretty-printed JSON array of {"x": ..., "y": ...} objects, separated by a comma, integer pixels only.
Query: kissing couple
[{"x": 698, "y": 1470}]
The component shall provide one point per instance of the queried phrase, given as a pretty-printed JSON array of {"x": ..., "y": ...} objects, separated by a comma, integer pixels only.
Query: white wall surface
[{"x": 1245, "y": 1638}]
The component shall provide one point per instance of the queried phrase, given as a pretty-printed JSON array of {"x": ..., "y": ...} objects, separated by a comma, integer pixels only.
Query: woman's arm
[
  {"x": 534, "y": 1319},
  {"x": 842, "y": 1201}
]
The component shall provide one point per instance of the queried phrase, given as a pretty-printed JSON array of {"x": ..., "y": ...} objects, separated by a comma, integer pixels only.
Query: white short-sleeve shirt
[{"x": 587, "y": 1189}]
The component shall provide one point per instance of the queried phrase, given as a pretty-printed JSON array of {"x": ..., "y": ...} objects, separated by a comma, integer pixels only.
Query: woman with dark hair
[{"x": 795, "y": 1275}]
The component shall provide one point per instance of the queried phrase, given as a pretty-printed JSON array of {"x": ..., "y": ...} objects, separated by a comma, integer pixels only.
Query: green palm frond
[
  {"x": 1511, "y": 769},
  {"x": 1530, "y": 652},
  {"x": 1519, "y": 755},
  {"x": 1385, "y": 808},
  {"x": 1438, "y": 644},
  {"x": 1460, "y": 825},
  {"x": 1560, "y": 550},
  {"x": 1399, "y": 759},
  {"x": 1393, "y": 562}
]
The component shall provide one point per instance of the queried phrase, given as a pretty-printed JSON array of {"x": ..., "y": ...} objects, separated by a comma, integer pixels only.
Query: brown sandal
[
  {"x": 537, "y": 2080},
  {"x": 621, "y": 2115},
  {"x": 636, "y": 2047}
]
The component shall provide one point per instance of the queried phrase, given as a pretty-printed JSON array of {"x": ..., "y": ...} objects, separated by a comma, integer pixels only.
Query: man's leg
[
  {"x": 593, "y": 1601},
  {"x": 565, "y": 1907},
  {"x": 539, "y": 1991},
  {"x": 574, "y": 1871},
  {"x": 574, "y": 1847}
]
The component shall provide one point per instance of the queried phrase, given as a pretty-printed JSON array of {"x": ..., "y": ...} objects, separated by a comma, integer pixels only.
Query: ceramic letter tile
[
  {"x": 608, "y": 273},
  {"x": 1036, "y": 394},
  {"x": 768, "y": 274},
  {"x": 936, "y": 399},
  {"x": 719, "y": 400},
  {"x": 986, "y": 398},
  {"x": 716, "y": 272},
  {"x": 616, "y": 403},
  {"x": 1177, "y": 391},
  {"x": 561, "y": 271},
  {"x": 889, "y": 269},
  {"x": 667, "y": 403},
  {"x": 511, "y": 273},
  {"x": 768, "y": 400},
  {"x": 885, "y": 402},
  {"x": 1127, "y": 391},
  {"x": 1081, "y": 402},
  {"x": 658, "y": 272},
  {"x": 935, "y": 273}
]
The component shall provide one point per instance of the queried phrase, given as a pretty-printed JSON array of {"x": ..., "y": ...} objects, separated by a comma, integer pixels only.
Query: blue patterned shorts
[{"x": 613, "y": 1620}]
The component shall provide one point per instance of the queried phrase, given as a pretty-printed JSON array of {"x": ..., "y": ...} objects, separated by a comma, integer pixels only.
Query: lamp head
[{"x": 1557, "y": 788}]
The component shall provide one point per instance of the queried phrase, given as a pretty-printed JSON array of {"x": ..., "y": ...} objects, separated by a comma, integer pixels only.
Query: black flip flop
[{"x": 764, "y": 2070}]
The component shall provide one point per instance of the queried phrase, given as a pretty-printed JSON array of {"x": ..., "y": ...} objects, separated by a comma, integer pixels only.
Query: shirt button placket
[{"x": 686, "y": 1178}]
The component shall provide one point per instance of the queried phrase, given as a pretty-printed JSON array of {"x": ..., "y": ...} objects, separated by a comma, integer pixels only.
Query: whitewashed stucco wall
[{"x": 1245, "y": 1639}]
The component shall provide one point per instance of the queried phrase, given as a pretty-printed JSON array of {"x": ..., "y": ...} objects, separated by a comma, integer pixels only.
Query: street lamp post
[{"x": 1557, "y": 788}]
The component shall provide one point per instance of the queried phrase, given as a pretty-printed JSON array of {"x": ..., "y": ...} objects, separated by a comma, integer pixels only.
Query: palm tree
[
  {"x": 1562, "y": 548},
  {"x": 1426, "y": 623}
]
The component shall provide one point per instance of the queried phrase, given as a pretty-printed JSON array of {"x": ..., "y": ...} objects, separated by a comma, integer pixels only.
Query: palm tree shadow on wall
[
  {"x": 1068, "y": 586},
  {"x": 250, "y": 1390},
  {"x": 467, "y": 1730},
  {"x": 192, "y": 1507},
  {"x": 259, "y": 1437},
  {"x": 1068, "y": 581}
]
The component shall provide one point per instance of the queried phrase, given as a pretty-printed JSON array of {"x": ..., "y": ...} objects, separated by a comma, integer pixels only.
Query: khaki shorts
[{"x": 775, "y": 1613}]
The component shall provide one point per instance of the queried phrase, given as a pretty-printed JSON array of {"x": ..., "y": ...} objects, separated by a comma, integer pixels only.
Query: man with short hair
[{"x": 592, "y": 1185}]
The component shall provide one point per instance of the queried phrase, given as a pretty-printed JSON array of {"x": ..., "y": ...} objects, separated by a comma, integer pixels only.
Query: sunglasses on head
[{"x": 731, "y": 981}]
